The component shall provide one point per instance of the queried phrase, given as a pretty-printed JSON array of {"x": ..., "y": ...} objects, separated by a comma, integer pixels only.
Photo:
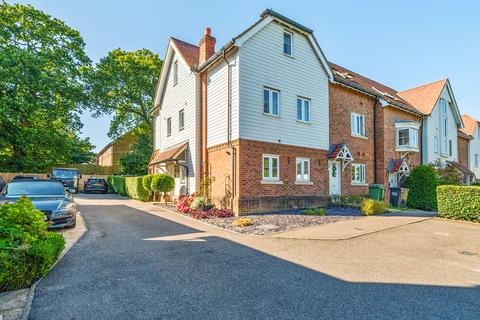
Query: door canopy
[
  {"x": 340, "y": 152},
  {"x": 398, "y": 165}
]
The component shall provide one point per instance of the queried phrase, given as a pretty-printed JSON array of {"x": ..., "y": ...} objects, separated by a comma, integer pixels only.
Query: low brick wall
[{"x": 279, "y": 203}]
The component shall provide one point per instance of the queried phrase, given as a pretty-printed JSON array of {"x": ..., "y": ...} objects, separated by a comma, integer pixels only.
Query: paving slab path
[{"x": 138, "y": 261}]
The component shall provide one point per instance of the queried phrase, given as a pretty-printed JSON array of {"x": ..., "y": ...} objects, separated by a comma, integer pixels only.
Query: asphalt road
[{"x": 113, "y": 272}]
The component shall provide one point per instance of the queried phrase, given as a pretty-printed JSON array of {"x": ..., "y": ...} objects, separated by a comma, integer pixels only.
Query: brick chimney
[{"x": 207, "y": 46}]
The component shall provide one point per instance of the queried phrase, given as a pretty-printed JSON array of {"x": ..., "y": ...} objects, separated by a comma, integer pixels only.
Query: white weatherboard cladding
[
  {"x": 156, "y": 132},
  {"x": 474, "y": 148},
  {"x": 176, "y": 97},
  {"x": 432, "y": 130},
  {"x": 217, "y": 102},
  {"x": 262, "y": 63}
]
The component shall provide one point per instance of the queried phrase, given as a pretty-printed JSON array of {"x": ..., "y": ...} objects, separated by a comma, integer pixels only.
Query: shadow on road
[{"x": 133, "y": 265}]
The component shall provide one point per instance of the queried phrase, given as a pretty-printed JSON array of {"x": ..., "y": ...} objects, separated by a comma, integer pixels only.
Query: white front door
[{"x": 335, "y": 178}]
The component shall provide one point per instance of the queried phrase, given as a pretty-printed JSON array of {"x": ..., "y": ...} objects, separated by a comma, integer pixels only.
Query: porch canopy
[
  {"x": 398, "y": 165},
  {"x": 340, "y": 152},
  {"x": 168, "y": 155}
]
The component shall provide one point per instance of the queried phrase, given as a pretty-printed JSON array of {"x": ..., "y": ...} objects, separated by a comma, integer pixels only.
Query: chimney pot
[
  {"x": 206, "y": 46},
  {"x": 207, "y": 31}
]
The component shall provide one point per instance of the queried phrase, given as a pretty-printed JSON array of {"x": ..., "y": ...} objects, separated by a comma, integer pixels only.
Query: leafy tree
[
  {"x": 135, "y": 162},
  {"x": 163, "y": 183},
  {"x": 42, "y": 89},
  {"x": 124, "y": 84},
  {"x": 81, "y": 150},
  {"x": 422, "y": 184},
  {"x": 448, "y": 174}
]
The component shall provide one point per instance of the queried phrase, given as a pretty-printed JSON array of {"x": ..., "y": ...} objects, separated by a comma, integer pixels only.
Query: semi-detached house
[{"x": 267, "y": 123}]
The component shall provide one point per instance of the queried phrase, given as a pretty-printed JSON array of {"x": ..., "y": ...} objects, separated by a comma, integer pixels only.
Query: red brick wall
[
  {"x": 463, "y": 151},
  {"x": 344, "y": 101},
  {"x": 251, "y": 193}
]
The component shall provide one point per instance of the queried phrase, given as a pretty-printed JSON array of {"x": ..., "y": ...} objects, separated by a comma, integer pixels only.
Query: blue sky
[{"x": 399, "y": 43}]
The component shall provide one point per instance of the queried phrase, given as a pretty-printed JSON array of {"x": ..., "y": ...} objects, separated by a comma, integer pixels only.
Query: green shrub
[
  {"x": 147, "y": 181},
  {"x": 27, "y": 249},
  {"x": 422, "y": 184},
  {"x": 459, "y": 202},
  {"x": 134, "y": 189},
  {"x": 110, "y": 184},
  {"x": 315, "y": 211},
  {"x": 117, "y": 184},
  {"x": 475, "y": 184},
  {"x": 163, "y": 183},
  {"x": 371, "y": 207},
  {"x": 199, "y": 202}
]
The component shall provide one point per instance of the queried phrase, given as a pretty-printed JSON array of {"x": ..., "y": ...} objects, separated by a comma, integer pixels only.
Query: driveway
[{"x": 141, "y": 262}]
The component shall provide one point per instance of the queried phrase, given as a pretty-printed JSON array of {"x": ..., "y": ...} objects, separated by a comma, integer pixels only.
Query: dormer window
[
  {"x": 287, "y": 43},
  {"x": 175, "y": 72}
]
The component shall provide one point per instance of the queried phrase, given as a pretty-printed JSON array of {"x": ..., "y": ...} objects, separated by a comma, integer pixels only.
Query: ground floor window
[
  {"x": 271, "y": 167},
  {"x": 358, "y": 173},
  {"x": 303, "y": 169}
]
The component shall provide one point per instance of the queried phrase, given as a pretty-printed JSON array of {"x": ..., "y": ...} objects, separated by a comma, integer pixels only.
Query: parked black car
[
  {"x": 95, "y": 185},
  {"x": 48, "y": 196},
  {"x": 2, "y": 184},
  {"x": 69, "y": 177},
  {"x": 23, "y": 177}
]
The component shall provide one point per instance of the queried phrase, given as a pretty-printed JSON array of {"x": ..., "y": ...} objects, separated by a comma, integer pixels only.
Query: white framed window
[
  {"x": 175, "y": 72},
  {"x": 450, "y": 148},
  {"x": 358, "y": 173},
  {"x": 303, "y": 109},
  {"x": 444, "y": 125},
  {"x": 407, "y": 138},
  {"x": 478, "y": 132},
  {"x": 181, "y": 119},
  {"x": 435, "y": 144},
  {"x": 303, "y": 169},
  {"x": 271, "y": 101},
  {"x": 271, "y": 167},
  {"x": 358, "y": 124},
  {"x": 476, "y": 161},
  {"x": 169, "y": 127},
  {"x": 288, "y": 43}
]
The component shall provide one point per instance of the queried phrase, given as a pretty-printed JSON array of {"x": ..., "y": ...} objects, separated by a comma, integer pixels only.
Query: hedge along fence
[
  {"x": 459, "y": 202},
  {"x": 134, "y": 189},
  {"x": 116, "y": 184}
]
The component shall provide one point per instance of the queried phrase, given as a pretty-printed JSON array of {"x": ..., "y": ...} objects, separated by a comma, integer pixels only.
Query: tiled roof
[
  {"x": 334, "y": 150},
  {"x": 168, "y": 155},
  {"x": 470, "y": 125},
  {"x": 394, "y": 165},
  {"x": 188, "y": 51},
  {"x": 357, "y": 81},
  {"x": 424, "y": 97}
]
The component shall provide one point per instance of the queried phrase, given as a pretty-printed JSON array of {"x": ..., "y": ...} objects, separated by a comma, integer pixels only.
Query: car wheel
[{"x": 73, "y": 225}]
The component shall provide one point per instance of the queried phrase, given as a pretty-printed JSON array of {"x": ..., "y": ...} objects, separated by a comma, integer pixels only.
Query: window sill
[
  {"x": 359, "y": 184},
  {"x": 288, "y": 55},
  {"x": 359, "y": 136},
  {"x": 304, "y": 122},
  {"x": 181, "y": 129},
  {"x": 271, "y": 115},
  {"x": 271, "y": 181},
  {"x": 304, "y": 183},
  {"x": 406, "y": 149}
]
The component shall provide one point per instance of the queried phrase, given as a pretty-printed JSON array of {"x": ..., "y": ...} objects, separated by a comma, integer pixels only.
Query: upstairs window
[
  {"x": 358, "y": 125},
  {"x": 271, "y": 102},
  {"x": 450, "y": 148},
  {"x": 303, "y": 169},
  {"x": 175, "y": 72},
  {"x": 303, "y": 110},
  {"x": 358, "y": 174},
  {"x": 169, "y": 127},
  {"x": 287, "y": 43},
  {"x": 271, "y": 167},
  {"x": 181, "y": 119},
  {"x": 476, "y": 160},
  {"x": 444, "y": 125},
  {"x": 407, "y": 138}
]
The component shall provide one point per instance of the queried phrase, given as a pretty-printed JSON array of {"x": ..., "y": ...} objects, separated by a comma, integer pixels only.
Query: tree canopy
[
  {"x": 135, "y": 162},
  {"x": 43, "y": 68},
  {"x": 124, "y": 84}
]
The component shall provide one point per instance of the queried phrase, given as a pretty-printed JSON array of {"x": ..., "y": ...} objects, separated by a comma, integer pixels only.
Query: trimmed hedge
[
  {"x": 422, "y": 184},
  {"x": 117, "y": 184},
  {"x": 27, "y": 248},
  {"x": 459, "y": 202},
  {"x": 134, "y": 189}
]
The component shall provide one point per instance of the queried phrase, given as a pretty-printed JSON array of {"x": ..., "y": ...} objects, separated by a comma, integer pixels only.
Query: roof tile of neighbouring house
[
  {"x": 359, "y": 82},
  {"x": 470, "y": 125},
  {"x": 424, "y": 97},
  {"x": 188, "y": 51}
]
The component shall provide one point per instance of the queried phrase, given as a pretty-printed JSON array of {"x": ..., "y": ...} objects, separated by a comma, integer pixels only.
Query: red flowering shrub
[
  {"x": 184, "y": 204},
  {"x": 220, "y": 213},
  {"x": 199, "y": 214}
]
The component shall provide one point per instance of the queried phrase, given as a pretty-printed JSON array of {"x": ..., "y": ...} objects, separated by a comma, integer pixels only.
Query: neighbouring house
[
  {"x": 441, "y": 121},
  {"x": 469, "y": 148},
  {"x": 377, "y": 130},
  {"x": 112, "y": 152}
]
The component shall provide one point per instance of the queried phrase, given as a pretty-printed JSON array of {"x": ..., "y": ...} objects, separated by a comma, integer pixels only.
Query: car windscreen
[
  {"x": 96, "y": 181},
  {"x": 22, "y": 188},
  {"x": 64, "y": 174}
]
